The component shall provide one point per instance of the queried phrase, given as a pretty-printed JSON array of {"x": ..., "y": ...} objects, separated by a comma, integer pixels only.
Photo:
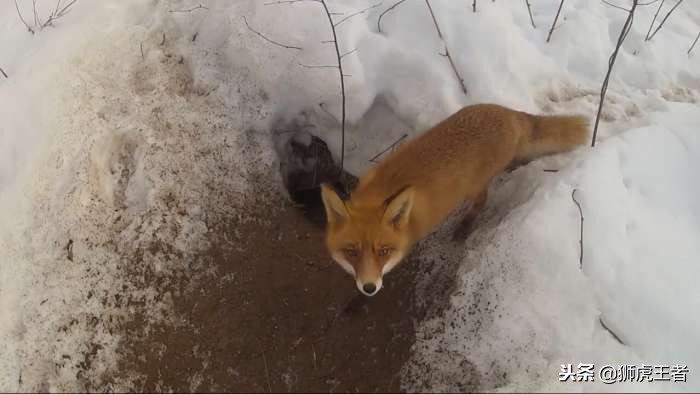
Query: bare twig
[
  {"x": 323, "y": 107},
  {"x": 529, "y": 10},
  {"x": 623, "y": 34},
  {"x": 36, "y": 15},
  {"x": 600, "y": 319},
  {"x": 651, "y": 25},
  {"x": 474, "y": 6},
  {"x": 5, "y": 74},
  {"x": 694, "y": 42},
  {"x": 554, "y": 24},
  {"x": 199, "y": 7},
  {"x": 142, "y": 55},
  {"x": 437, "y": 27},
  {"x": 29, "y": 28},
  {"x": 339, "y": 66},
  {"x": 318, "y": 65},
  {"x": 615, "y": 6},
  {"x": 348, "y": 53},
  {"x": 58, "y": 12},
  {"x": 580, "y": 242},
  {"x": 55, "y": 14},
  {"x": 664, "y": 20},
  {"x": 69, "y": 250},
  {"x": 447, "y": 52},
  {"x": 342, "y": 87},
  {"x": 267, "y": 39},
  {"x": 379, "y": 21},
  {"x": 390, "y": 147},
  {"x": 357, "y": 13}
]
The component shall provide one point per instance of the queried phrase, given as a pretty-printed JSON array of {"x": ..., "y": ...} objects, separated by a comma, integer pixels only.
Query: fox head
[{"x": 368, "y": 240}]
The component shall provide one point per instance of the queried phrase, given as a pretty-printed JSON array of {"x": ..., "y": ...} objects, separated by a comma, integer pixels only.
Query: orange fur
[{"x": 408, "y": 194}]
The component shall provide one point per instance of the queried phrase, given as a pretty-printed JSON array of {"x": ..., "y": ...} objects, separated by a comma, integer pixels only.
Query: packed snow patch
[{"x": 124, "y": 169}]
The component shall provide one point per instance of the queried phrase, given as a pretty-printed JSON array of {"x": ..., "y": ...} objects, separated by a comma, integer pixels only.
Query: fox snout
[
  {"x": 368, "y": 279},
  {"x": 369, "y": 289}
]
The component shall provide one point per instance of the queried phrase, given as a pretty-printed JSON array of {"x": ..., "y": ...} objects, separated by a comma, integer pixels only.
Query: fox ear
[
  {"x": 398, "y": 208},
  {"x": 335, "y": 208}
]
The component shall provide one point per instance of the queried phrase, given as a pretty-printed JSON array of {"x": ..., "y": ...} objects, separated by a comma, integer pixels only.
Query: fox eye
[
  {"x": 384, "y": 251},
  {"x": 350, "y": 252}
]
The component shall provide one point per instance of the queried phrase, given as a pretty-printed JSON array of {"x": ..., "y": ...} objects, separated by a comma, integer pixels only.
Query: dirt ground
[{"x": 268, "y": 311}]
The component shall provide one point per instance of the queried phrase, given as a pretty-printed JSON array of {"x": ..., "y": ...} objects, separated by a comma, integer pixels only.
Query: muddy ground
[{"x": 268, "y": 311}]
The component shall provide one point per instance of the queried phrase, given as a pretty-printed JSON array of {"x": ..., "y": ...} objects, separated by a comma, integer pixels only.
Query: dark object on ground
[{"x": 306, "y": 163}]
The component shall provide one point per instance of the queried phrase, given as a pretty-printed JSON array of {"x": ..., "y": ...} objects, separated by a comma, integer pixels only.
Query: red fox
[{"x": 407, "y": 195}]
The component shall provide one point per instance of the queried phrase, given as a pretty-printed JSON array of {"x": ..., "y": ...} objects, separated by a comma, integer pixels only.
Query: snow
[
  {"x": 538, "y": 309},
  {"x": 127, "y": 125}
]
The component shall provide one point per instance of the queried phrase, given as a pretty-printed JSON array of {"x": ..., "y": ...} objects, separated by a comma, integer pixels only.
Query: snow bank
[
  {"x": 523, "y": 307},
  {"x": 501, "y": 57}
]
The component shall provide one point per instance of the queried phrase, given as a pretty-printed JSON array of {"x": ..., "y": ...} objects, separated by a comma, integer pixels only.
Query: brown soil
[{"x": 270, "y": 311}]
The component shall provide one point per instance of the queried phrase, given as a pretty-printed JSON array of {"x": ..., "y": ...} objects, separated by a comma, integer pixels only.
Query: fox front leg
[{"x": 464, "y": 229}]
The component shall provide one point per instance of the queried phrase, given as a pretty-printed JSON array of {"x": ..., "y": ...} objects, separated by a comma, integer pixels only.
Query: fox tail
[{"x": 545, "y": 135}]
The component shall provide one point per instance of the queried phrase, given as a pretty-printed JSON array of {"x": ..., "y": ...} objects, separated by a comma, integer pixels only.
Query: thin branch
[
  {"x": 317, "y": 65},
  {"x": 379, "y": 21},
  {"x": 58, "y": 13},
  {"x": 664, "y": 20},
  {"x": 529, "y": 10},
  {"x": 600, "y": 319},
  {"x": 267, "y": 39},
  {"x": 199, "y": 7},
  {"x": 611, "y": 62},
  {"x": 29, "y": 28},
  {"x": 3, "y": 73},
  {"x": 348, "y": 53},
  {"x": 651, "y": 25},
  {"x": 357, "y": 13},
  {"x": 323, "y": 107},
  {"x": 437, "y": 27},
  {"x": 474, "y": 6},
  {"x": 580, "y": 242},
  {"x": 447, "y": 52},
  {"x": 342, "y": 90},
  {"x": 64, "y": 10},
  {"x": 694, "y": 42},
  {"x": 58, "y": 4},
  {"x": 36, "y": 15},
  {"x": 390, "y": 147},
  {"x": 549, "y": 36},
  {"x": 616, "y": 6}
]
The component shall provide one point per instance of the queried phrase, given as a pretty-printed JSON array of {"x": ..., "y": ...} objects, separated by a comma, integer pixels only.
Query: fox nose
[{"x": 369, "y": 288}]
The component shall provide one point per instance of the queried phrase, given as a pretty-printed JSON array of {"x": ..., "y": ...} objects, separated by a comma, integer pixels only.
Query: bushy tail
[{"x": 546, "y": 135}]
